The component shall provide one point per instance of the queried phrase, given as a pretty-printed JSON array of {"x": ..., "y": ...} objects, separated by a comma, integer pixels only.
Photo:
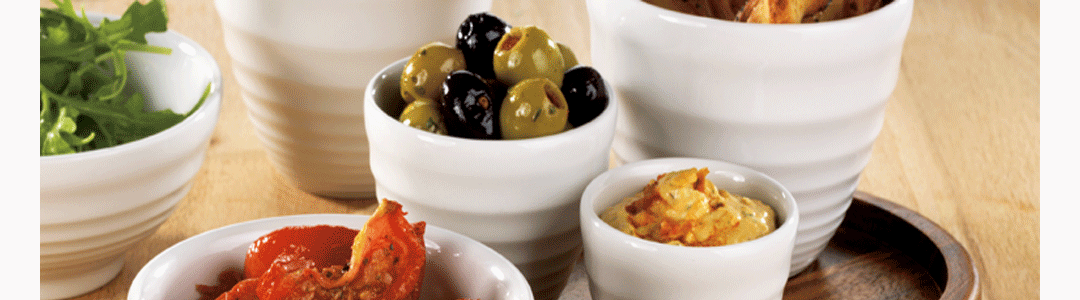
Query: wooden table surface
[{"x": 960, "y": 143}]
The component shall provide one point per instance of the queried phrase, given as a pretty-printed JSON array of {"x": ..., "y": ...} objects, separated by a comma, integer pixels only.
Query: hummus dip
[{"x": 684, "y": 208}]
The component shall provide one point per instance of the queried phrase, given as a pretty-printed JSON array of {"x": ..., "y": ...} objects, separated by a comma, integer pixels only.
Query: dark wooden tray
[
  {"x": 885, "y": 251},
  {"x": 881, "y": 251}
]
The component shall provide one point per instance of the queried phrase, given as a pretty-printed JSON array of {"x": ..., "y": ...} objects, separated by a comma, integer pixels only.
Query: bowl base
[{"x": 81, "y": 283}]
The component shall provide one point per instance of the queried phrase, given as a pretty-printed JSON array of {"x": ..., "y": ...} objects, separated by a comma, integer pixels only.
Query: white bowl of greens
[{"x": 113, "y": 167}]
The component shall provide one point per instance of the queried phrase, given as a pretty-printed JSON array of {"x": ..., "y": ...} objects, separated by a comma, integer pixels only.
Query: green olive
[
  {"x": 423, "y": 114},
  {"x": 569, "y": 59},
  {"x": 527, "y": 52},
  {"x": 427, "y": 69},
  {"x": 534, "y": 107}
]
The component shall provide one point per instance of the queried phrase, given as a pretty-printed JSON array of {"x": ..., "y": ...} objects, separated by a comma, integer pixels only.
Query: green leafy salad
[{"x": 84, "y": 105}]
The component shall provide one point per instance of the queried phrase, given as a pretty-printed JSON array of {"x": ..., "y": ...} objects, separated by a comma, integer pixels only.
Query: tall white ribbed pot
[{"x": 802, "y": 103}]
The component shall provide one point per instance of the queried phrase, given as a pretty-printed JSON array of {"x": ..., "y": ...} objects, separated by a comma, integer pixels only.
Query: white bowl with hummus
[{"x": 624, "y": 266}]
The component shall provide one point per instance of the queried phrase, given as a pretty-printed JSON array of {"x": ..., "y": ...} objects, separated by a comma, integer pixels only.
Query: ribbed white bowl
[
  {"x": 97, "y": 204},
  {"x": 802, "y": 103},
  {"x": 519, "y": 197},
  {"x": 821, "y": 181},
  {"x": 303, "y": 65},
  {"x": 320, "y": 150}
]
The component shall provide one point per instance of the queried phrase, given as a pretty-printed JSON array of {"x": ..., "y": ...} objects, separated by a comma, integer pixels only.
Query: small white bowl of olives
[{"x": 494, "y": 152}]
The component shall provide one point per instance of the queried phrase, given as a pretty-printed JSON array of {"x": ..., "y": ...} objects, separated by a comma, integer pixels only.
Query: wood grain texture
[
  {"x": 885, "y": 251},
  {"x": 960, "y": 143}
]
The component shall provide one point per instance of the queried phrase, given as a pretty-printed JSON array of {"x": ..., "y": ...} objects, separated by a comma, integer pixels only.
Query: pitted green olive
[
  {"x": 528, "y": 52},
  {"x": 534, "y": 107},
  {"x": 423, "y": 114},
  {"x": 427, "y": 69},
  {"x": 569, "y": 59}
]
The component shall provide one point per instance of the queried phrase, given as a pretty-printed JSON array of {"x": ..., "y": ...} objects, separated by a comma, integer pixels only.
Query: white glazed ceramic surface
[
  {"x": 302, "y": 67},
  {"x": 624, "y": 267},
  {"x": 517, "y": 196},
  {"x": 456, "y": 266},
  {"x": 802, "y": 103},
  {"x": 97, "y": 204}
]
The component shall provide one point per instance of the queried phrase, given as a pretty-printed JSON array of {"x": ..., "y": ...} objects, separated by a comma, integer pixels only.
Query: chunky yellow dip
[{"x": 684, "y": 208}]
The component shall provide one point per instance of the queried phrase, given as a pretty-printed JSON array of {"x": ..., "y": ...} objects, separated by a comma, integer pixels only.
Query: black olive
[
  {"x": 468, "y": 106},
  {"x": 498, "y": 89},
  {"x": 477, "y": 37},
  {"x": 585, "y": 92}
]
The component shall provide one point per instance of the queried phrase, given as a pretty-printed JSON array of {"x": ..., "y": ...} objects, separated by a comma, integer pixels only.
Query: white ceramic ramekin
[
  {"x": 802, "y": 103},
  {"x": 302, "y": 67},
  {"x": 95, "y": 205},
  {"x": 624, "y": 267},
  {"x": 520, "y": 197}
]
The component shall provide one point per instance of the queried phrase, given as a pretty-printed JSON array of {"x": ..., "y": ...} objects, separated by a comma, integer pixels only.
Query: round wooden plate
[
  {"x": 881, "y": 251},
  {"x": 885, "y": 251}
]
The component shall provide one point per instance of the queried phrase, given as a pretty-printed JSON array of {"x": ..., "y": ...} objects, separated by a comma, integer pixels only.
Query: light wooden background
[{"x": 960, "y": 143}]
